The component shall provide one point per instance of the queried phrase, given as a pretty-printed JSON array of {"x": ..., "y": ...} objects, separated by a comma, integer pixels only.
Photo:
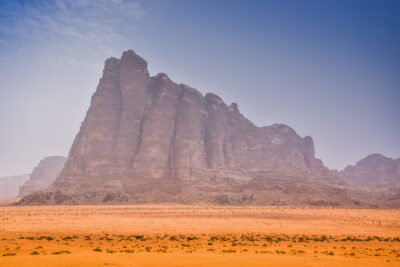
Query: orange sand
[{"x": 198, "y": 236}]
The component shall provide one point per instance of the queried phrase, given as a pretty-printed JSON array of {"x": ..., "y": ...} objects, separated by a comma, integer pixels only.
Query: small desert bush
[
  {"x": 61, "y": 252},
  {"x": 229, "y": 251}
]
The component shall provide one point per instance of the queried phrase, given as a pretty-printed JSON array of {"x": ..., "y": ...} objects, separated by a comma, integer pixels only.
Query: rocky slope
[
  {"x": 378, "y": 178},
  {"x": 43, "y": 175},
  {"x": 9, "y": 186},
  {"x": 374, "y": 171},
  {"x": 149, "y": 140}
]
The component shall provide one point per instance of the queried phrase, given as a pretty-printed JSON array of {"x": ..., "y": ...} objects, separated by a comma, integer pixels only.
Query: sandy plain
[{"x": 198, "y": 236}]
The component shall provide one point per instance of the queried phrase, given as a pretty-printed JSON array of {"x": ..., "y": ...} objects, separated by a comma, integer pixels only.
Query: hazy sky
[{"x": 329, "y": 69}]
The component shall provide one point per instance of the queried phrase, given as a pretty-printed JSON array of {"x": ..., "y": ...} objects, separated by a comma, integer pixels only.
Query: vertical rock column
[
  {"x": 92, "y": 151},
  {"x": 187, "y": 150},
  {"x": 215, "y": 131},
  {"x": 133, "y": 81},
  {"x": 152, "y": 160}
]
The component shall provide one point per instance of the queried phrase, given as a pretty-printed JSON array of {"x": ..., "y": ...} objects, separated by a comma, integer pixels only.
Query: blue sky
[{"x": 329, "y": 69}]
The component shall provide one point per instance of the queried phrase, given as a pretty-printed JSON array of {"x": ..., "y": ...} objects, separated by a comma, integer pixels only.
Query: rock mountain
[
  {"x": 375, "y": 171},
  {"x": 148, "y": 139},
  {"x": 378, "y": 177},
  {"x": 43, "y": 175},
  {"x": 40, "y": 179}
]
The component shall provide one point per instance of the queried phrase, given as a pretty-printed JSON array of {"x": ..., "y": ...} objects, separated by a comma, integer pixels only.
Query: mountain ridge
[{"x": 147, "y": 139}]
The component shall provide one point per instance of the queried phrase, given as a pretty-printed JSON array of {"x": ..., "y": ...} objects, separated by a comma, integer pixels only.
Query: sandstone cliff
[
  {"x": 376, "y": 179},
  {"x": 149, "y": 140},
  {"x": 43, "y": 175},
  {"x": 375, "y": 171},
  {"x": 140, "y": 127}
]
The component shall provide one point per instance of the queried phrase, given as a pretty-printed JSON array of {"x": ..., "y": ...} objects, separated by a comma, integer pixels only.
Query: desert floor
[{"x": 198, "y": 236}]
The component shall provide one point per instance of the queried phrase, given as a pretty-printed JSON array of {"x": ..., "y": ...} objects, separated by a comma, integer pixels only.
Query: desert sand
[{"x": 198, "y": 236}]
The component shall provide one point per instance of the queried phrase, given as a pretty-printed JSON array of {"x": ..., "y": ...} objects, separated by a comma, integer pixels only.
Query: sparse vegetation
[
  {"x": 61, "y": 252},
  {"x": 341, "y": 244}
]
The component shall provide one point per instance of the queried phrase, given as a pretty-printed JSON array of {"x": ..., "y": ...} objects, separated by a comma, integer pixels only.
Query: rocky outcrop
[
  {"x": 9, "y": 186},
  {"x": 43, "y": 175},
  {"x": 376, "y": 179},
  {"x": 140, "y": 127},
  {"x": 150, "y": 140},
  {"x": 374, "y": 171}
]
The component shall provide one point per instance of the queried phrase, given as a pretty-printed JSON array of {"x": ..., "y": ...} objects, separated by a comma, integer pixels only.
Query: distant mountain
[
  {"x": 378, "y": 177},
  {"x": 9, "y": 186},
  {"x": 43, "y": 175},
  {"x": 150, "y": 140},
  {"x": 375, "y": 171}
]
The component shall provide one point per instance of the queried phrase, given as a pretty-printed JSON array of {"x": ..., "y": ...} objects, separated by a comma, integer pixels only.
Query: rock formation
[
  {"x": 9, "y": 185},
  {"x": 140, "y": 127},
  {"x": 148, "y": 139},
  {"x": 43, "y": 175},
  {"x": 377, "y": 179},
  {"x": 374, "y": 171}
]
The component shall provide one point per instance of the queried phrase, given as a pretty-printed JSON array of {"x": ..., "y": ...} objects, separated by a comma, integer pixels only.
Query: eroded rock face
[
  {"x": 150, "y": 140},
  {"x": 140, "y": 127},
  {"x": 43, "y": 175},
  {"x": 374, "y": 171}
]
